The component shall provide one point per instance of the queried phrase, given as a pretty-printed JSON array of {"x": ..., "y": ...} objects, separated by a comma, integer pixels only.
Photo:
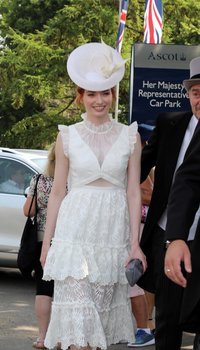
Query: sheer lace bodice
[
  {"x": 99, "y": 138},
  {"x": 98, "y": 154}
]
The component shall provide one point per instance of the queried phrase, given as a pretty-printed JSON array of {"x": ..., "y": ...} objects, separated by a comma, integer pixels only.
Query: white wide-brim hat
[
  {"x": 95, "y": 67},
  {"x": 194, "y": 74}
]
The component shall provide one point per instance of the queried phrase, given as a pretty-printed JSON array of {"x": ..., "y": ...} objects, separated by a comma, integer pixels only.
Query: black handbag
[{"x": 27, "y": 251}]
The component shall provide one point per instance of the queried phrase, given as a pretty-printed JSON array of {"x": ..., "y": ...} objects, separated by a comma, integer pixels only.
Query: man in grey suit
[{"x": 169, "y": 144}]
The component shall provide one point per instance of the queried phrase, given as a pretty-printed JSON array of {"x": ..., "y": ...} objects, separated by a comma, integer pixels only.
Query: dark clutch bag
[{"x": 134, "y": 271}]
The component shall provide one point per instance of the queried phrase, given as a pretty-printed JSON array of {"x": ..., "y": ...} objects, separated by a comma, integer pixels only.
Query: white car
[{"x": 12, "y": 219}]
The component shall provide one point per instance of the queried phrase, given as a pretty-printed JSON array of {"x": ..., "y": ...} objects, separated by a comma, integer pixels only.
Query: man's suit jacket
[
  {"x": 184, "y": 201},
  {"x": 161, "y": 152}
]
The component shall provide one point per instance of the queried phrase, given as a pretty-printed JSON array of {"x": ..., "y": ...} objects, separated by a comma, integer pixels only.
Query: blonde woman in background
[{"x": 44, "y": 289}]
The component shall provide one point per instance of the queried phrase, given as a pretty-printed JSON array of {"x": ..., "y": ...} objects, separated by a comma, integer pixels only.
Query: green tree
[
  {"x": 24, "y": 16},
  {"x": 34, "y": 64},
  {"x": 181, "y": 22},
  {"x": 37, "y": 131},
  {"x": 28, "y": 16},
  {"x": 38, "y": 35}
]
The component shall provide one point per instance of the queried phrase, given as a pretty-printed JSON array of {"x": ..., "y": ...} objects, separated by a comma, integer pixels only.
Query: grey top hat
[{"x": 194, "y": 74}]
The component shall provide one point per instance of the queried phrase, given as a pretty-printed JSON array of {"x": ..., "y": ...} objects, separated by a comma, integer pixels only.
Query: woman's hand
[
  {"x": 137, "y": 253},
  {"x": 44, "y": 252}
]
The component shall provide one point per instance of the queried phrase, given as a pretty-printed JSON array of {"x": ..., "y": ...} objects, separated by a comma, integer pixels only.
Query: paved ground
[
  {"x": 18, "y": 327},
  {"x": 187, "y": 344}
]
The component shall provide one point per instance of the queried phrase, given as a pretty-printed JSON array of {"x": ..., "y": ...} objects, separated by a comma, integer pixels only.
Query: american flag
[
  {"x": 122, "y": 22},
  {"x": 153, "y": 22}
]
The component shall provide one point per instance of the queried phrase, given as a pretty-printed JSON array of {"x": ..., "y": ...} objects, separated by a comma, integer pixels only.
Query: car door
[{"x": 12, "y": 198}]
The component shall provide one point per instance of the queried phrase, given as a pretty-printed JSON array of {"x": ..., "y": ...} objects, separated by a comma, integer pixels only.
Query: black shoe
[{"x": 197, "y": 342}]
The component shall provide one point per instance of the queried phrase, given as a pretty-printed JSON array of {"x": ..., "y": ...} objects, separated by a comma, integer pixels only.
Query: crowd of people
[{"x": 89, "y": 234}]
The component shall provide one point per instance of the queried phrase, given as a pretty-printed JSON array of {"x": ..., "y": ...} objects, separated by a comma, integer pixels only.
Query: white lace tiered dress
[{"x": 91, "y": 241}]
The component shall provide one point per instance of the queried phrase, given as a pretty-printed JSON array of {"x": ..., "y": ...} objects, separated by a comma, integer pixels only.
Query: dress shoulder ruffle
[
  {"x": 132, "y": 131},
  {"x": 64, "y": 131}
]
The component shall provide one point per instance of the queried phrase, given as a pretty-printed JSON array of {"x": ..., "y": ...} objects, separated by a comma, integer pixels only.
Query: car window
[
  {"x": 14, "y": 176},
  {"x": 40, "y": 162}
]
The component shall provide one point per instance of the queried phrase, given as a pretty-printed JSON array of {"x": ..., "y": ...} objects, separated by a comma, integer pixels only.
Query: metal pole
[
  {"x": 117, "y": 102},
  {"x": 117, "y": 87}
]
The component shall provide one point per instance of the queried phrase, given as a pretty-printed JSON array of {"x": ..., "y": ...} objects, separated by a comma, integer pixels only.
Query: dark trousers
[
  {"x": 42, "y": 287},
  {"x": 168, "y": 298}
]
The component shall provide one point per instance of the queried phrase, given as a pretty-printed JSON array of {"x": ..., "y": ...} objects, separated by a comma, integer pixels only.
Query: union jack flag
[
  {"x": 122, "y": 22},
  {"x": 153, "y": 24}
]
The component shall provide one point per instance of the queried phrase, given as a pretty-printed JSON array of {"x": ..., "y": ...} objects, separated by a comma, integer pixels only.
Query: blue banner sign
[{"x": 157, "y": 72}]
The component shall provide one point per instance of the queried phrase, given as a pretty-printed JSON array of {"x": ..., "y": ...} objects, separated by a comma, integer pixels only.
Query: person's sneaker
[{"x": 142, "y": 338}]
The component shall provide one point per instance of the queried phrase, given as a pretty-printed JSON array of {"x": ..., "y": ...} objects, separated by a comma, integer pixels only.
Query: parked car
[{"x": 19, "y": 165}]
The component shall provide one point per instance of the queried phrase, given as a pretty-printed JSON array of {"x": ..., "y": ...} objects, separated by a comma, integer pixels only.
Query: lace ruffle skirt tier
[{"x": 86, "y": 260}]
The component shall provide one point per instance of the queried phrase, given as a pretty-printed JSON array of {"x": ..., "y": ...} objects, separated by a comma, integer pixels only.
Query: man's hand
[{"x": 176, "y": 253}]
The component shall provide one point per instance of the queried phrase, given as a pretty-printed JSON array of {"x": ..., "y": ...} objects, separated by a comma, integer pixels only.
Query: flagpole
[
  {"x": 117, "y": 102},
  {"x": 117, "y": 87}
]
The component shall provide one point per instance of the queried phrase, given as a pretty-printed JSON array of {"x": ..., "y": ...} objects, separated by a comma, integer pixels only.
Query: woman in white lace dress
[{"x": 92, "y": 233}]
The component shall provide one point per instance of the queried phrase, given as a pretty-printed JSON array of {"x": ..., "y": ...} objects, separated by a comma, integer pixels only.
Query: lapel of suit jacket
[
  {"x": 177, "y": 129},
  {"x": 195, "y": 139}
]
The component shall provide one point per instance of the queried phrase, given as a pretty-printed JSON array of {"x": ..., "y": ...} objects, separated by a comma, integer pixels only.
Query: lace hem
[
  {"x": 78, "y": 325},
  {"x": 83, "y": 325},
  {"x": 132, "y": 130},
  {"x": 103, "y": 265},
  {"x": 64, "y": 131}
]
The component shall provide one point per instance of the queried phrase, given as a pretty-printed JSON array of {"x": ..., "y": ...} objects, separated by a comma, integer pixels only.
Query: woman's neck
[
  {"x": 99, "y": 126},
  {"x": 98, "y": 120}
]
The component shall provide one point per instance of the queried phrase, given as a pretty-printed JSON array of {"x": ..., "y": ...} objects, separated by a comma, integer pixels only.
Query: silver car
[{"x": 25, "y": 163}]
